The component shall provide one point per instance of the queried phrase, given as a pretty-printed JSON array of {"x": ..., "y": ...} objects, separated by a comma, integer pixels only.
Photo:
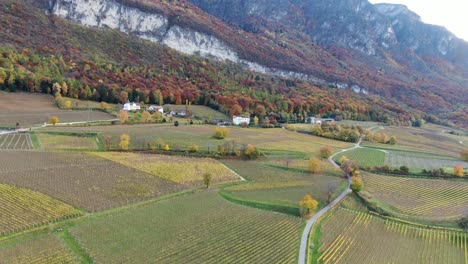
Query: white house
[
  {"x": 238, "y": 120},
  {"x": 131, "y": 106},
  {"x": 315, "y": 120},
  {"x": 155, "y": 108}
]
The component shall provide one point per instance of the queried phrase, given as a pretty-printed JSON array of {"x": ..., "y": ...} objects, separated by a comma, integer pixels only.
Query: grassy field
[
  {"x": 182, "y": 137},
  {"x": 418, "y": 197},
  {"x": 430, "y": 138},
  {"x": 200, "y": 112},
  {"x": 82, "y": 180},
  {"x": 65, "y": 142},
  {"x": 21, "y": 209},
  {"x": 29, "y": 109},
  {"x": 16, "y": 142},
  {"x": 274, "y": 184},
  {"x": 354, "y": 237},
  {"x": 40, "y": 249},
  {"x": 173, "y": 168},
  {"x": 197, "y": 228},
  {"x": 365, "y": 157}
]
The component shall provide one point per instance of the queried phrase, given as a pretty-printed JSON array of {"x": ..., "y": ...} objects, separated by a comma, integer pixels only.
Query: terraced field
[
  {"x": 197, "y": 228},
  {"x": 81, "y": 180},
  {"x": 425, "y": 198},
  {"x": 43, "y": 249},
  {"x": 21, "y": 209},
  {"x": 173, "y": 168},
  {"x": 355, "y": 237},
  {"x": 16, "y": 141}
]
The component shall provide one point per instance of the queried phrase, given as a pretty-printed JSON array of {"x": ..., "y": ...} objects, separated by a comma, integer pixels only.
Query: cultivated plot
[
  {"x": 365, "y": 157},
  {"x": 29, "y": 109},
  {"x": 16, "y": 141},
  {"x": 40, "y": 249},
  {"x": 355, "y": 237},
  {"x": 65, "y": 142},
  {"x": 196, "y": 228},
  {"x": 425, "y": 198},
  {"x": 21, "y": 209},
  {"x": 81, "y": 180},
  {"x": 419, "y": 163},
  {"x": 183, "y": 170}
]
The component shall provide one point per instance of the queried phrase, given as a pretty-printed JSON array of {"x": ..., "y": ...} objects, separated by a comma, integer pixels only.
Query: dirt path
[{"x": 313, "y": 220}]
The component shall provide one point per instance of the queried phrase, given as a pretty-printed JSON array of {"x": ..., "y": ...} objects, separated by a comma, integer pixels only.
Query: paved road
[{"x": 313, "y": 220}]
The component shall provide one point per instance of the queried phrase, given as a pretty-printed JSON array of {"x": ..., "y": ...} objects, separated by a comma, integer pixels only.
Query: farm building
[
  {"x": 155, "y": 108},
  {"x": 238, "y": 120},
  {"x": 131, "y": 106},
  {"x": 316, "y": 120}
]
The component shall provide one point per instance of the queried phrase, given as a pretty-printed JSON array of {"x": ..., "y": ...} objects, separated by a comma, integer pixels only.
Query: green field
[
  {"x": 66, "y": 142},
  {"x": 355, "y": 237},
  {"x": 430, "y": 199},
  {"x": 197, "y": 228},
  {"x": 200, "y": 112},
  {"x": 365, "y": 157}
]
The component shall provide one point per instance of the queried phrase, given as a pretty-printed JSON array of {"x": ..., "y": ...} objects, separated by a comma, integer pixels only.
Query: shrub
[
  {"x": 290, "y": 127},
  {"x": 314, "y": 165},
  {"x": 194, "y": 148},
  {"x": 251, "y": 152},
  {"x": 325, "y": 152},
  {"x": 356, "y": 184},
  {"x": 458, "y": 171},
  {"x": 176, "y": 123},
  {"x": 221, "y": 133},
  {"x": 464, "y": 154},
  {"x": 404, "y": 170},
  {"x": 124, "y": 141}
]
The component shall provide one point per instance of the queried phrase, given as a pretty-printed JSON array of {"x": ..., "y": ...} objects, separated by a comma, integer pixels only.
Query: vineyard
[
  {"x": 198, "y": 228},
  {"x": 419, "y": 163},
  {"x": 365, "y": 157},
  {"x": 22, "y": 208},
  {"x": 16, "y": 142},
  {"x": 427, "y": 198},
  {"x": 44, "y": 249},
  {"x": 81, "y": 180},
  {"x": 173, "y": 168},
  {"x": 355, "y": 237}
]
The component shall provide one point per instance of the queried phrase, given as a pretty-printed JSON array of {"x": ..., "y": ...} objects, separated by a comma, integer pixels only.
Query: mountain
[{"x": 381, "y": 57}]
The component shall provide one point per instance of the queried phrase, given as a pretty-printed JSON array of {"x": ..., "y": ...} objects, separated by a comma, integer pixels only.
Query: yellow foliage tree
[
  {"x": 167, "y": 148},
  {"x": 54, "y": 120},
  {"x": 104, "y": 105},
  {"x": 251, "y": 152},
  {"x": 314, "y": 165},
  {"x": 356, "y": 184},
  {"x": 459, "y": 171},
  {"x": 221, "y": 133},
  {"x": 68, "y": 104},
  {"x": 123, "y": 116},
  {"x": 256, "y": 120},
  {"x": 124, "y": 141},
  {"x": 146, "y": 117},
  {"x": 307, "y": 205}
]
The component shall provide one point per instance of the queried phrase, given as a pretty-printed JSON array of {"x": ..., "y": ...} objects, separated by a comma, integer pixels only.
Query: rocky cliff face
[
  {"x": 157, "y": 28},
  {"x": 355, "y": 24}
]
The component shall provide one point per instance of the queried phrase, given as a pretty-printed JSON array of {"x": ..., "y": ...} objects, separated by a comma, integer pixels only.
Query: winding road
[{"x": 313, "y": 220}]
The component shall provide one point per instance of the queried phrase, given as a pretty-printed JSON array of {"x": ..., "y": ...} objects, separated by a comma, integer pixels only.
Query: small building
[
  {"x": 178, "y": 113},
  {"x": 131, "y": 106},
  {"x": 238, "y": 120},
  {"x": 155, "y": 108},
  {"x": 314, "y": 120}
]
